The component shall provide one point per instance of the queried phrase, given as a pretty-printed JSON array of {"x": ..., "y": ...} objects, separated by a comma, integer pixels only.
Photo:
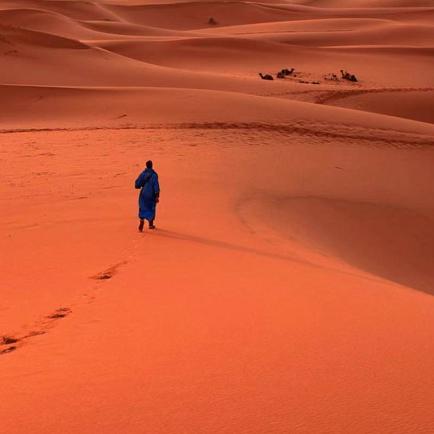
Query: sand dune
[
  {"x": 120, "y": 28},
  {"x": 409, "y": 34},
  {"x": 44, "y": 21},
  {"x": 387, "y": 241},
  {"x": 77, "y": 10},
  {"x": 289, "y": 285},
  {"x": 74, "y": 63},
  {"x": 12, "y": 36},
  {"x": 370, "y": 3},
  {"x": 142, "y": 106},
  {"x": 206, "y": 53},
  {"x": 195, "y": 15},
  {"x": 313, "y": 25},
  {"x": 411, "y": 104},
  {"x": 61, "y": 25}
]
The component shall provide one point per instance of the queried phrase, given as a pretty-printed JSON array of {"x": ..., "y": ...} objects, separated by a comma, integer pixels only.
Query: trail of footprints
[{"x": 10, "y": 343}]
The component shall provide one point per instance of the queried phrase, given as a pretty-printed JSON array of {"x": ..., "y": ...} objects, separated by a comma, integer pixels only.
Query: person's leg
[
  {"x": 141, "y": 224},
  {"x": 151, "y": 220}
]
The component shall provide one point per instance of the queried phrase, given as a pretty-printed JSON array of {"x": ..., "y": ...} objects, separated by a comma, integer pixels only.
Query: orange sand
[{"x": 289, "y": 285}]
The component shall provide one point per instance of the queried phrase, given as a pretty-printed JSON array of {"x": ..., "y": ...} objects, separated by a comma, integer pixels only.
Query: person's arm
[
  {"x": 156, "y": 186},
  {"x": 140, "y": 181}
]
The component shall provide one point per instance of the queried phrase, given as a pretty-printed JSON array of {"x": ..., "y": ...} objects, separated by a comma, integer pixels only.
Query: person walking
[{"x": 149, "y": 195}]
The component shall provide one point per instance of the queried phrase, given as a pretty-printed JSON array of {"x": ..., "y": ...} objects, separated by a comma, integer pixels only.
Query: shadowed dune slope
[
  {"x": 406, "y": 104},
  {"x": 395, "y": 243}
]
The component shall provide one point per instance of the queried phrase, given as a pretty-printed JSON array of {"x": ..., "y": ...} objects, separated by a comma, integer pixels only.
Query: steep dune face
[
  {"x": 395, "y": 243},
  {"x": 288, "y": 287}
]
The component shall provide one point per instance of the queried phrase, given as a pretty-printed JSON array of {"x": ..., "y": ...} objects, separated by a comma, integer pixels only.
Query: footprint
[
  {"x": 8, "y": 350},
  {"x": 7, "y": 340},
  {"x": 104, "y": 275},
  {"x": 109, "y": 272},
  {"x": 60, "y": 313}
]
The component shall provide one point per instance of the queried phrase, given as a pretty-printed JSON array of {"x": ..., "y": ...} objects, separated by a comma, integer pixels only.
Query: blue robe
[{"x": 149, "y": 192}]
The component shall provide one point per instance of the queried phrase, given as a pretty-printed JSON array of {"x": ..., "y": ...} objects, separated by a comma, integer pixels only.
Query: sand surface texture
[{"x": 289, "y": 285}]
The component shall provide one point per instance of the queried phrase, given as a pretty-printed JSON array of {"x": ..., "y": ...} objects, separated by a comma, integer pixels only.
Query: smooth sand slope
[{"x": 289, "y": 285}]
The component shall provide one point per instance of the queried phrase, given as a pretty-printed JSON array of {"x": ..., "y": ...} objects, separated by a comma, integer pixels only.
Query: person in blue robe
[{"x": 149, "y": 195}]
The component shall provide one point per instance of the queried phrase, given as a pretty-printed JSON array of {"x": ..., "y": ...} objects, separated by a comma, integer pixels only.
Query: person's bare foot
[{"x": 142, "y": 223}]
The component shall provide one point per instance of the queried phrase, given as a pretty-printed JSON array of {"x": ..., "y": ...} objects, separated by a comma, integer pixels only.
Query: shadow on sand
[
  {"x": 373, "y": 274},
  {"x": 229, "y": 246},
  {"x": 239, "y": 248}
]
